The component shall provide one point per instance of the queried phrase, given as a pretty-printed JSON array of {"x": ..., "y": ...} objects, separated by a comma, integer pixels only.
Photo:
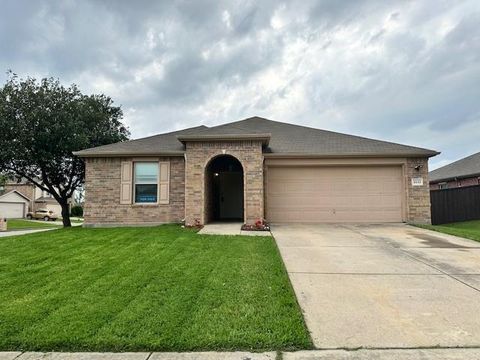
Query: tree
[
  {"x": 3, "y": 181},
  {"x": 42, "y": 123}
]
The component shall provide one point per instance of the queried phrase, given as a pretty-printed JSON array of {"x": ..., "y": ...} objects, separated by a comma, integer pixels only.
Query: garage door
[
  {"x": 334, "y": 194},
  {"x": 11, "y": 210}
]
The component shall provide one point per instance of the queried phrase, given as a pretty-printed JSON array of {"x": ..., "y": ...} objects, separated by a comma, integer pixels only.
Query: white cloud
[{"x": 401, "y": 71}]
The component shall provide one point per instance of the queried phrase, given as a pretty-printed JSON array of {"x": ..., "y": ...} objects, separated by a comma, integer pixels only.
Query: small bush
[{"x": 76, "y": 211}]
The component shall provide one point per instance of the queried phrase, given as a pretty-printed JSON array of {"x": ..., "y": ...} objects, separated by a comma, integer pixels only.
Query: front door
[{"x": 231, "y": 195}]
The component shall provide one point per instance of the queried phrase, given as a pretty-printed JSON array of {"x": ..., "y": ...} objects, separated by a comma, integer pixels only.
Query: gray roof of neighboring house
[
  {"x": 463, "y": 168},
  {"x": 285, "y": 139}
]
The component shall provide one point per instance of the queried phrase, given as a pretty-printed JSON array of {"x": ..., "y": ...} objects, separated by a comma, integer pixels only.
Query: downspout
[{"x": 185, "y": 190}]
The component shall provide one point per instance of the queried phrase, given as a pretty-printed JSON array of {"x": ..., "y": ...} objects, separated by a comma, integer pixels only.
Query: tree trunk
[{"x": 65, "y": 214}]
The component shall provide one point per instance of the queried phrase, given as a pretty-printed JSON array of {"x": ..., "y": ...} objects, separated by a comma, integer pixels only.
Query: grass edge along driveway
[
  {"x": 466, "y": 229},
  {"x": 22, "y": 224},
  {"x": 145, "y": 289}
]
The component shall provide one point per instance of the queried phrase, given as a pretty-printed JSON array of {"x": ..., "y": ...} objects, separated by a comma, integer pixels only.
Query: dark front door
[{"x": 230, "y": 195}]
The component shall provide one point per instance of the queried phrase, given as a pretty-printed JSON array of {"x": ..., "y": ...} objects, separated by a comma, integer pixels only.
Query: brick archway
[
  {"x": 198, "y": 156},
  {"x": 224, "y": 189}
]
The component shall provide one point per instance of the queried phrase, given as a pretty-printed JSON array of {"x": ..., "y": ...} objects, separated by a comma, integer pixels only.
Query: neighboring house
[
  {"x": 13, "y": 205},
  {"x": 252, "y": 169},
  {"x": 38, "y": 198},
  {"x": 464, "y": 172}
]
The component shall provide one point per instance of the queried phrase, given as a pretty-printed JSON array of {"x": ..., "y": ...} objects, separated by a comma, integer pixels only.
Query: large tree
[{"x": 42, "y": 123}]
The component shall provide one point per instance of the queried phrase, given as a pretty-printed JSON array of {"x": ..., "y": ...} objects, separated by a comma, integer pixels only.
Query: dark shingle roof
[
  {"x": 158, "y": 144},
  {"x": 295, "y": 139},
  {"x": 466, "y": 167},
  {"x": 285, "y": 139}
]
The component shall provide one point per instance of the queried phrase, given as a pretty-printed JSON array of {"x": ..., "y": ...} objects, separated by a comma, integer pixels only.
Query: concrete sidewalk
[
  {"x": 363, "y": 354},
  {"x": 138, "y": 356},
  {"x": 22, "y": 232}
]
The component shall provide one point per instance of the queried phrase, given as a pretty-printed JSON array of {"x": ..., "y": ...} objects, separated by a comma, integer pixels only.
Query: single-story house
[
  {"x": 463, "y": 172},
  {"x": 13, "y": 205},
  {"x": 252, "y": 169}
]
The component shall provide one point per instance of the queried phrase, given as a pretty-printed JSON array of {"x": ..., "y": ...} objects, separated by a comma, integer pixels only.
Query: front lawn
[
  {"x": 20, "y": 224},
  {"x": 145, "y": 289},
  {"x": 465, "y": 229}
]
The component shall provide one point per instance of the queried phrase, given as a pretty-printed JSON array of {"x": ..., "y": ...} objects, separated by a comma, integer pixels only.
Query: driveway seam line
[
  {"x": 404, "y": 251},
  {"x": 378, "y": 274},
  {"x": 436, "y": 268},
  {"x": 399, "y": 348}
]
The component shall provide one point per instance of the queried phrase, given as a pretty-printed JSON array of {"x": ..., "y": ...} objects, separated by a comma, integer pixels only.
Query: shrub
[{"x": 76, "y": 211}]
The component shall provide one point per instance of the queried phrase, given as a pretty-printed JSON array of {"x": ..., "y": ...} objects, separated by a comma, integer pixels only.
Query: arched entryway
[{"x": 224, "y": 189}]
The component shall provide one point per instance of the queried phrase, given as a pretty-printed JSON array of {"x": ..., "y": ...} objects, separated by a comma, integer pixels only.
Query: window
[
  {"x": 146, "y": 182},
  {"x": 443, "y": 185}
]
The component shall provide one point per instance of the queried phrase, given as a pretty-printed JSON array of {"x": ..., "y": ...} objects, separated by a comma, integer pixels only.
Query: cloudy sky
[{"x": 406, "y": 71}]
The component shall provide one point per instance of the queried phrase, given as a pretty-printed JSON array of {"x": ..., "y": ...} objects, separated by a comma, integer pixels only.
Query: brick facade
[
  {"x": 418, "y": 197},
  {"x": 188, "y": 198},
  {"x": 451, "y": 184},
  {"x": 102, "y": 195},
  {"x": 199, "y": 154}
]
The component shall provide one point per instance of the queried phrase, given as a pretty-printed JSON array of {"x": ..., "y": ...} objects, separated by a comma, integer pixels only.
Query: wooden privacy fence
[{"x": 458, "y": 204}]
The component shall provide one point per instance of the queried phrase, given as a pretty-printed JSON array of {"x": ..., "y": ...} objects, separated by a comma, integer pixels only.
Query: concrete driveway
[{"x": 383, "y": 286}]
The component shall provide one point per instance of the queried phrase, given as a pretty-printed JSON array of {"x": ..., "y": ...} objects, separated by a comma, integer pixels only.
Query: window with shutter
[
  {"x": 164, "y": 183},
  {"x": 126, "y": 182},
  {"x": 146, "y": 182}
]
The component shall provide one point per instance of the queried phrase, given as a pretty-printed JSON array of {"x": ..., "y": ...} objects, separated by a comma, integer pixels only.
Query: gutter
[
  {"x": 336, "y": 156},
  {"x": 81, "y": 154}
]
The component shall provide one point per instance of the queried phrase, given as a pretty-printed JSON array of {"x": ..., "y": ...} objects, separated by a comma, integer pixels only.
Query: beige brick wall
[
  {"x": 102, "y": 195},
  {"x": 187, "y": 188},
  {"x": 418, "y": 197},
  {"x": 198, "y": 155}
]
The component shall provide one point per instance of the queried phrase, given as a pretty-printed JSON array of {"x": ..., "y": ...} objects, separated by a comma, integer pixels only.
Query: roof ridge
[
  {"x": 227, "y": 124},
  {"x": 326, "y": 131},
  {"x": 167, "y": 133}
]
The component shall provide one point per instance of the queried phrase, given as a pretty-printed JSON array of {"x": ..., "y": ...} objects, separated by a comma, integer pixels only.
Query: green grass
[
  {"x": 19, "y": 224},
  {"x": 465, "y": 229},
  {"x": 73, "y": 220},
  {"x": 152, "y": 289}
]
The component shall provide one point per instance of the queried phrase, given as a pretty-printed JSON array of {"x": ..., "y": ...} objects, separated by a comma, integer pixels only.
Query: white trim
[{"x": 15, "y": 191}]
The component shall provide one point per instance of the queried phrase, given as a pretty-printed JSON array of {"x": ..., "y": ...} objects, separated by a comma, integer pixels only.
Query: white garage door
[
  {"x": 334, "y": 194},
  {"x": 12, "y": 210}
]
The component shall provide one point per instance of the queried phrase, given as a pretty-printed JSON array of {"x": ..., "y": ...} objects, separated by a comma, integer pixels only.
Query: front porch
[
  {"x": 224, "y": 180},
  {"x": 230, "y": 228}
]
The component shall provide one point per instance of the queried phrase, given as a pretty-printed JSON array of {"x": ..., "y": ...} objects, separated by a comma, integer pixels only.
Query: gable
[{"x": 14, "y": 196}]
